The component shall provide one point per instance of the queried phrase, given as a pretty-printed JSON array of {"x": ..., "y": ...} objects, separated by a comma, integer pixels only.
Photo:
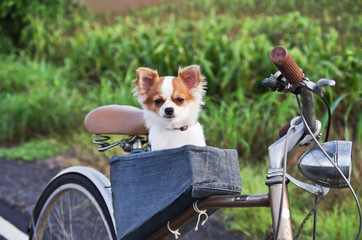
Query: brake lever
[
  {"x": 318, "y": 88},
  {"x": 313, "y": 189},
  {"x": 276, "y": 82}
]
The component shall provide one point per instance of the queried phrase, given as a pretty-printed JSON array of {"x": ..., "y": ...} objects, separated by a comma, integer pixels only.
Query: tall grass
[
  {"x": 72, "y": 65},
  {"x": 253, "y": 222},
  {"x": 236, "y": 128},
  {"x": 233, "y": 54},
  {"x": 36, "y": 100}
]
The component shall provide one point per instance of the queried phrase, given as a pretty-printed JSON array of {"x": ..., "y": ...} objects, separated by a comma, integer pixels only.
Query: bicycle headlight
[{"x": 316, "y": 166}]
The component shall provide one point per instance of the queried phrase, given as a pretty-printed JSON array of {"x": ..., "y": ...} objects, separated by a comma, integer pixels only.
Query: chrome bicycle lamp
[{"x": 316, "y": 166}]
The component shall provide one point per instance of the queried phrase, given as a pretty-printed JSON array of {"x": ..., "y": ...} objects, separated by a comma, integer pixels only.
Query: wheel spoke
[{"x": 71, "y": 213}]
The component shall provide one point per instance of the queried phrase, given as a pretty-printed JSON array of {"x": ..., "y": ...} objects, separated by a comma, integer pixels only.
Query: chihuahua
[{"x": 171, "y": 106}]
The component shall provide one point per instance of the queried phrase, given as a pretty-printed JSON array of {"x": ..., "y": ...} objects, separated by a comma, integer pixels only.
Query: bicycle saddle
[{"x": 115, "y": 119}]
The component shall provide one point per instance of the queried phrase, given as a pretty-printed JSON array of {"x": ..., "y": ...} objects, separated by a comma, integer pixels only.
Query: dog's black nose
[{"x": 169, "y": 111}]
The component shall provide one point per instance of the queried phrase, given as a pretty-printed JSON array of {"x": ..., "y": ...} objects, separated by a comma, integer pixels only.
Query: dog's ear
[
  {"x": 146, "y": 79},
  {"x": 191, "y": 76}
]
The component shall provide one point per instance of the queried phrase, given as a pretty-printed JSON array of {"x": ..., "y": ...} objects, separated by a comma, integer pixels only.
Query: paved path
[{"x": 20, "y": 185}]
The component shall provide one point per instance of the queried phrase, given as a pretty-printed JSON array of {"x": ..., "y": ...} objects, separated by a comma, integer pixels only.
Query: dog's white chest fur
[{"x": 172, "y": 138}]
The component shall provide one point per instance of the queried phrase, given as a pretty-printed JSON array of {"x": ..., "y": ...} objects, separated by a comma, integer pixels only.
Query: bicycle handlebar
[
  {"x": 286, "y": 65},
  {"x": 294, "y": 75}
]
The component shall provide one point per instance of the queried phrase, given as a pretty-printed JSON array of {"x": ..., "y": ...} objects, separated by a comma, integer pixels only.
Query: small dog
[{"x": 171, "y": 106}]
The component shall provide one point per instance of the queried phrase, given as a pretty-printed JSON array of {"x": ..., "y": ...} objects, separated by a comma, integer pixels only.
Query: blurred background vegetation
[{"x": 58, "y": 61}]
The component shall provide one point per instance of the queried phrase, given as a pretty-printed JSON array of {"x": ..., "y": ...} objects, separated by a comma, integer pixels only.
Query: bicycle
[{"x": 80, "y": 193}]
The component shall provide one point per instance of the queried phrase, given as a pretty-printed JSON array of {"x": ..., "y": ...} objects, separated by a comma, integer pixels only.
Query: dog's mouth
[{"x": 168, "y": 116}]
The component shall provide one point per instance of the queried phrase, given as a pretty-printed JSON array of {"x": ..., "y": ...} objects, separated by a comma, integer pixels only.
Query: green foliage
[
  {"x": 14, "y": 14},
  {"x": 34, "y": 149},
  {"x": 98, "y": 62},
  {"x": 38, "y": 100},
  {"x": 231, "y": 123},
  {"x": 253, "y": 222}
]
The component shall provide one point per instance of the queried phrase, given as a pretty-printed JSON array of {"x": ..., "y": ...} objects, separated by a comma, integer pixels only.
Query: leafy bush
[
  {"x": 26, "y": 22},
  {"x": 37, "y": 100},
  {"x": 230, "y": 60},
  {"x": 233, "y": 54},
  {"x": 14, "y": 14},
  {"x": 100, "y": 60}
]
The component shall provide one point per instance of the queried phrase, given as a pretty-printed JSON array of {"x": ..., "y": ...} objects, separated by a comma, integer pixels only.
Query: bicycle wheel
[{"x": 71, "y": 207}]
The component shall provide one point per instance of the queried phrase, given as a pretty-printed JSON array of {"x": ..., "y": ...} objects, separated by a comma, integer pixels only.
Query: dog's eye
[
  {"x": 158, "y": 101},
  {"x": 179, "y": 100}
]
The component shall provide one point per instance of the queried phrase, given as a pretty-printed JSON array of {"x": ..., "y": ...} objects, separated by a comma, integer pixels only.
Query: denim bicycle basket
[{"x": 151, "y": 188}]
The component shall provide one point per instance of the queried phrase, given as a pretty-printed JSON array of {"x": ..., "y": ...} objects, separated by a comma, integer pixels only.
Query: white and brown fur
[{"x": 171, "y": 105}]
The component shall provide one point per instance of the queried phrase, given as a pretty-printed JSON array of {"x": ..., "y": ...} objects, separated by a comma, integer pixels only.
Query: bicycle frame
[{"x": 270, "y": 199}]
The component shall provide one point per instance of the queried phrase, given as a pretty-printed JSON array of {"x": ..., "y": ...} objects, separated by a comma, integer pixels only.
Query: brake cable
[
  {"x": 325, "y": 140},
  {"x": 329, "y": 117},
  {"x": 328, "y": 111},
  {"x": 335, "y": 166},
  {"x": 316, "y": 198},
  {"x": 314, "y": 209},
  {"x": 283, "y": 181}
]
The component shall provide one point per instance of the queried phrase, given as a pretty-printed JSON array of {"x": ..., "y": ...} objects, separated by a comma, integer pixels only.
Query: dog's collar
[{"x": 183, "y": 128}]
